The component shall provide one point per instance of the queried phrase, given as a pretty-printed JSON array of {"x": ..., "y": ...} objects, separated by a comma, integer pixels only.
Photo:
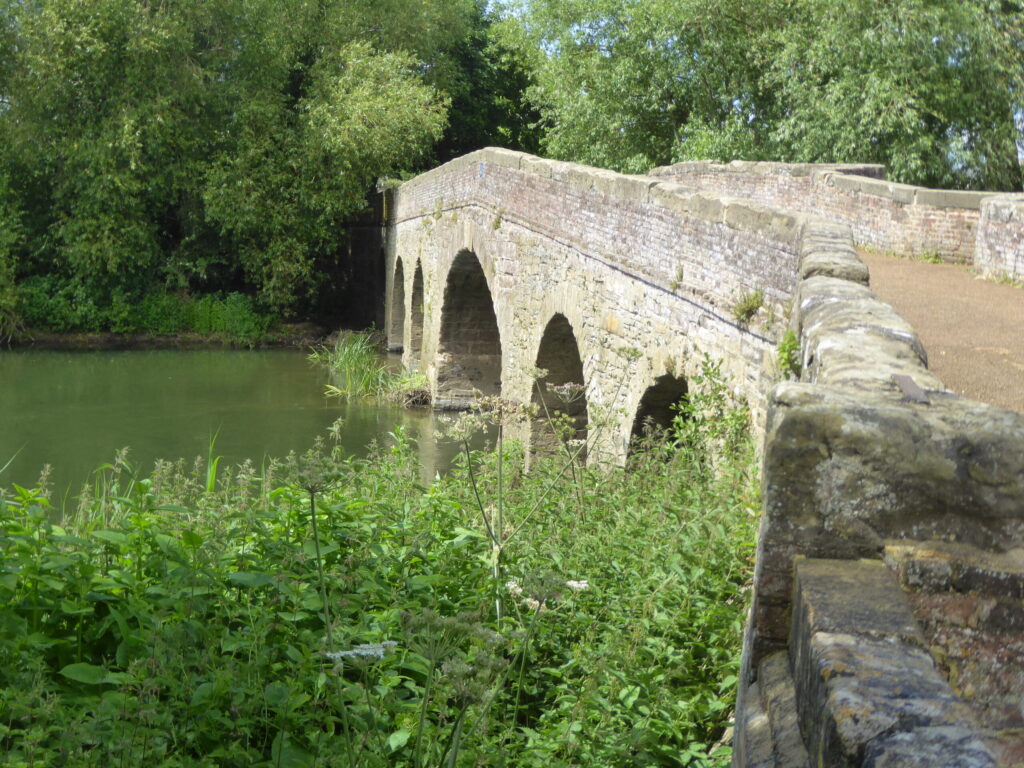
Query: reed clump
[{"x": 360, "y": 370}]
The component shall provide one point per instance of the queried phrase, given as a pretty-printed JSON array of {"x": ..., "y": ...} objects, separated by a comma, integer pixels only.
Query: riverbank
[
  {"x": 333, "y": 611},
  {"x": 284, "y": 335}
]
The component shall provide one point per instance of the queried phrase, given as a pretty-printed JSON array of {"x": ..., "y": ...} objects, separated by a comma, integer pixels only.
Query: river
[{"x": 75, "y": 410}]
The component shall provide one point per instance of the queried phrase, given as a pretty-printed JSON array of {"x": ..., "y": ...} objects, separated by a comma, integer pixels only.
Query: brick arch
[
  {"x": 469, "y": 347},
  {"x": 555, "y": 396},
  {"x": 658, "y": 406},
  {"x": 396, "y": 314}
]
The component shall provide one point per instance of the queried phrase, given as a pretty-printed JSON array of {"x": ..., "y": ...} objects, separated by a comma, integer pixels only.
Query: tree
[
  {"x": 214, "y": 145},
  {"x": 296, "y": 172},
  {"x": 929, "y": 88}
]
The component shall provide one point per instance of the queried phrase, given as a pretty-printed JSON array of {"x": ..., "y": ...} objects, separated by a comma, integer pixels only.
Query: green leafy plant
[
  {"x": 360, "y": 370},
  {"x": 747, "y": 306},
  {"x": 335, "y": 611},
  {"x": 788, "y": 355}
]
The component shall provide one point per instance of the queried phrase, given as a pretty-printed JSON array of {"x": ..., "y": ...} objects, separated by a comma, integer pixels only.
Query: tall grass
[
  {"x": 330, "y": 611},
  {"x": 361, "y": 371}
]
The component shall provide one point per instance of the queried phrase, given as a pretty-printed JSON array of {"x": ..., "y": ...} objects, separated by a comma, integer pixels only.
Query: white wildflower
[
  {"x": 513, "y": 588},
  {"x": 364, "y": 651},
  {"x": 579, "y": 585},
  {"x": 569, "y": 392}
]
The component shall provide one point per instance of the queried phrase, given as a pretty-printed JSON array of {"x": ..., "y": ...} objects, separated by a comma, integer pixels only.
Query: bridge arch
[
  {"x": 469, "y": 347},
  {"x": 561, "y": 394},
  {"x": 416, "y": 318},
  {"x": 396, "y": 316},
  {"x": 658, "y": 407}
]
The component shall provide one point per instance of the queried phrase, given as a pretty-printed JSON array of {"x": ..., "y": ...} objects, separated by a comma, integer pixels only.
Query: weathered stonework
[
  {"x": 499, "y": 262},
  {"x": 867, "y": 449},
  {"x": 644, "y": 272},
  {"x": 883, "y": 216},
  {"x": 999, "y": 251}
]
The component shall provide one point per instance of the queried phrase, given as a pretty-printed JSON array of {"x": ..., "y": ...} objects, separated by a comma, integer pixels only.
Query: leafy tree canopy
[
  {"x": 221, "y": 144},
  {"x": 932, "y": 89}
]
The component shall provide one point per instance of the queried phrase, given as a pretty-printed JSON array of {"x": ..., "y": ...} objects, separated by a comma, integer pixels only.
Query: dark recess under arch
[
  {"x": 396, "y": 322},
  {"x": 561, "y": 394},
  {"x": 658, "y": 407},
  {"x": 416, "y": 319},
  {"x": 469, "y": 359}
]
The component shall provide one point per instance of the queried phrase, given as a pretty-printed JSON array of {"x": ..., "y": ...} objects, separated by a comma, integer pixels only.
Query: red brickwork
[{"x": 883, "y": 216}]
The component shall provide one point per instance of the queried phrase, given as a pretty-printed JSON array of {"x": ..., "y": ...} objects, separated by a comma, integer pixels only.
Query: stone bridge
[
  {"x": 500, "y": 263},
  {"x": 887, "y": 624}
]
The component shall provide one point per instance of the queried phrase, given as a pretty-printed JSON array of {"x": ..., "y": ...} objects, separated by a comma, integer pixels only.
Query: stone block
[
  {"x": 753, "y": 217},
  {"x": 506, "y": 158},
  {"x": 673, "y": 196},
  {"x": 939, "y": 566},
  {"x": 861, "y": 674},
  {"x": 948, "y": 198},
  {"x": 862, "y": 184},
  {"x": 536, "y": 166},
  {"x": 636, "y": 189},
  {"x": 933, "y": 574},
  {"x": 851, "y": 338},
  {"x": 708, "y": 206},
  {"x": 1003, "y": 208},
  {"x": 949, "y": 470},
  {"x": 778, "y": 700},
  {"x": 858, "y": 596},
  {"x": 854, "y": 692},
  {"x": 903, "y": 194},
  {"x": 930, "y": 747},
  {"x": 838, "y": 262},
  {"x": 753, "y": 747},
  {"x": 584, "y": 178}
]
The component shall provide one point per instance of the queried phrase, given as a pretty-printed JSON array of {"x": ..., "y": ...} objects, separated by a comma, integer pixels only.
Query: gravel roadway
[{"x": 972, "y": 329}]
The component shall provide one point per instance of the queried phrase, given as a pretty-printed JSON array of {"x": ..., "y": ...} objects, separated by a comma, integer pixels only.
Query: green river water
[{"x": 75, "y": 410}]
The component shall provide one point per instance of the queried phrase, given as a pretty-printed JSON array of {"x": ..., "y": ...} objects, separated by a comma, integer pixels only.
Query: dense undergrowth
[
  {"x": 194, "y": 620},
  {"x": 45, "y": 304}
]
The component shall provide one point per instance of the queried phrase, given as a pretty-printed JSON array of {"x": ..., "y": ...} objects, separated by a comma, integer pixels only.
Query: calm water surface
[{"x": 74, "y": 410}]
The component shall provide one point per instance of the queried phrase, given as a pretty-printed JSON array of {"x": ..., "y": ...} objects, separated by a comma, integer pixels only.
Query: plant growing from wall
[
  {"x": 788, "y": 352},
  {"x": 747, "y": 306}
]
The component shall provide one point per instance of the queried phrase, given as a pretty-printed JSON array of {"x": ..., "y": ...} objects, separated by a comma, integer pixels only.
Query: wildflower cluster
[{"x": 364, "y": 651}]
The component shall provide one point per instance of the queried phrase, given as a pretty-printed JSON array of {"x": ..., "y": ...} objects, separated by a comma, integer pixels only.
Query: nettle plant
[{"x": 327, "y": 610}]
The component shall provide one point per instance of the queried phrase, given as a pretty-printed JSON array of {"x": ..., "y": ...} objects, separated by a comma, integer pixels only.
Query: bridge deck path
[{"x": 973, "y": 329}]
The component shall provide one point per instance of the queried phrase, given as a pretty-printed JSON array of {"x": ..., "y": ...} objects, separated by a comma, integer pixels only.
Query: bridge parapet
[
  {"x": 865, "y": 456},
  {"x": 883, "y": 216}
]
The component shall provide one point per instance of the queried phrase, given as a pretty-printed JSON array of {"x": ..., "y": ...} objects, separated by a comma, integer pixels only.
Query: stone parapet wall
[
  {"x": 999, "y": 251},
  {"x": 866, "y": 449},
  {"x": 733, "y": 245},
  {"x": 882, "y": 215}
]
